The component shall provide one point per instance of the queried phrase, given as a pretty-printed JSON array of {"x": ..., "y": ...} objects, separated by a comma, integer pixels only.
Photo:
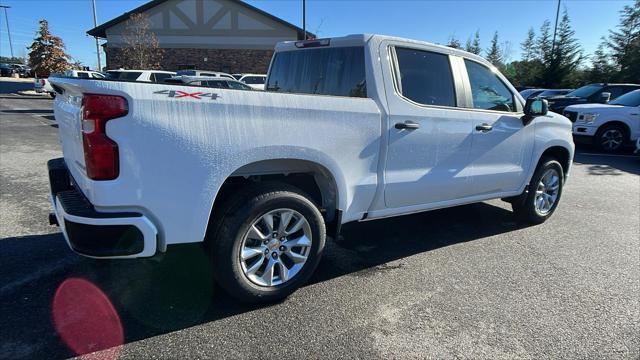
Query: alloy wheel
[
  {"x": 276, "y": 247},
  {"x": 547, "y": 191},
  {"x": 611, "y": 139}
]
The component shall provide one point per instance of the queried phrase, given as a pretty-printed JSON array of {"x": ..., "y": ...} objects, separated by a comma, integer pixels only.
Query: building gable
[{"x": 206, "y": 24}]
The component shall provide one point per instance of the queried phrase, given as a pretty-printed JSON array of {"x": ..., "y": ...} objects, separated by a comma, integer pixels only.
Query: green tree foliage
[
  {"x": 543, "y": 42},
  {"x": 625, "y": 44},
  {"x": 47, "y": 53},
  {"x": 566, "y": 55},
  {"x": 454, "y": 43},
  {"x": 474, "y": 46},
  {"x": 544, "y": 64},
  {"x": 529, "y": 47},
  {"x": 602, "y": 70},
  {"x": 494, "y": 52}
]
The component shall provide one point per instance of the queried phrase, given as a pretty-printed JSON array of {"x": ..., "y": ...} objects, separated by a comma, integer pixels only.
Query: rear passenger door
[
  {"x": 429, "y": 139},
  {"x": 502, "y": 144}
]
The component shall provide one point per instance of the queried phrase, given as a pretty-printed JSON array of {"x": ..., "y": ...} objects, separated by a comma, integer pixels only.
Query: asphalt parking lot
[{"x": 466, "y": 282}]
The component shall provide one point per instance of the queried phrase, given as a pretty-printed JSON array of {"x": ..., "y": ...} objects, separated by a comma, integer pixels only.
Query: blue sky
[{"x": 429, "y": 20}]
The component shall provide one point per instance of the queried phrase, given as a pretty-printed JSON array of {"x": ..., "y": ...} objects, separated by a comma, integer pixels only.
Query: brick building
[{"x": 218, "y": 35}]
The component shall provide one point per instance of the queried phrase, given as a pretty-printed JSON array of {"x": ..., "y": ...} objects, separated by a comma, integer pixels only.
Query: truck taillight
[{"x": 100, "y": 152}]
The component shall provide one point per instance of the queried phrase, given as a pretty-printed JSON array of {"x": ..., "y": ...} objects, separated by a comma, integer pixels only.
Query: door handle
[
  {"x": 484, "y": 127},
  {"x": 408, "y": 125}
]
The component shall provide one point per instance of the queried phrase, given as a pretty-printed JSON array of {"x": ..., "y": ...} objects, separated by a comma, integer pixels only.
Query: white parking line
[{"x": 610, "y": 155}]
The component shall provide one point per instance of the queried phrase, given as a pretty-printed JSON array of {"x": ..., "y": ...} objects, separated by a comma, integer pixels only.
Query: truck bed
[{"x": 178, "y": 144}]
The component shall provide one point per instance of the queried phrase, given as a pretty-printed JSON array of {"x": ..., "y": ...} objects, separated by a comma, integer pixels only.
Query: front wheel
[
  {"x": 540, "y": 201},
  {"x": 268, "y": 243},
  {"x": 611, "y": 138}
]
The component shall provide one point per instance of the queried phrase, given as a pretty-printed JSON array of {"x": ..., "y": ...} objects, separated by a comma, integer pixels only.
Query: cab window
[
  {"x": 487, "y": 90},
  {"x": 425, "y": 77},
  {"x": 338, "y": 71}
]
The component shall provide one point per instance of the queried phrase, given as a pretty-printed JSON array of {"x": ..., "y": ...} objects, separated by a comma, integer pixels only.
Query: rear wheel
[
  {"x": 611, "y": 138},
  {"x": 539, "y": 202},
  {"x": 267, "y": 244}
]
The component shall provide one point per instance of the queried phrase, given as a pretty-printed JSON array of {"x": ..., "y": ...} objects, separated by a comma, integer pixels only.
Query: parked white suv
[
  {"x": 608, "y": 126},
  {"x": 350, "y": 129},
  {"x": 256, "y": 81}
]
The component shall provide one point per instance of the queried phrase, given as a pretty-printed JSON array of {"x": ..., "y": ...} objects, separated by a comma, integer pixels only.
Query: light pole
[
  {"x": 5, "y": 7},
  {"x": 304, "y": 19},
  {"x": 553, "y": 43},
  {"x": 95, "y": 24}
]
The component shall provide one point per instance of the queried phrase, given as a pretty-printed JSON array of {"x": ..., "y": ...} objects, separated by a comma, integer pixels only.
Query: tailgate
[{"x": 67, "y": 111}]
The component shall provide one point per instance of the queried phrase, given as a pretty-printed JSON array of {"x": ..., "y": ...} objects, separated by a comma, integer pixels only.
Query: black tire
[
  {"x": 226, "y": 235},
  {"x": 611, "y": 132},
  {"x": 524, "y": 205},
  {"x": 52, "y": 95}
]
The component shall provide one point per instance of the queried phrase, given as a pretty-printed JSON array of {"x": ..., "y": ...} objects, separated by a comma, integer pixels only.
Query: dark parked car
[
  {"x": 592, "y": 93},
  {"x": 6, "y": 70},
  {"x": 531, "y": 93}
]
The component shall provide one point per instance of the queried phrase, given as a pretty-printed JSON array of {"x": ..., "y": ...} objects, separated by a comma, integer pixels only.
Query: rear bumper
[{"x": 97, "y": 234}]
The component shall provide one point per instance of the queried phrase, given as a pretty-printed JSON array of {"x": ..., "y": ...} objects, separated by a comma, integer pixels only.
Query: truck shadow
[
  {"x": 153, "y": 297},
  {"x": 604, "y": 164}
]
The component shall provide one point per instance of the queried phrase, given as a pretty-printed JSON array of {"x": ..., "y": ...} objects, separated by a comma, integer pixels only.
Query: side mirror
[
  {"x": 533, "y": 108},
  {"x": 605, "y": 97}
]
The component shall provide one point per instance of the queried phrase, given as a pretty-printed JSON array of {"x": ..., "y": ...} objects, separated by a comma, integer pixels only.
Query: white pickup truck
[{"x": 354, "y": 128}]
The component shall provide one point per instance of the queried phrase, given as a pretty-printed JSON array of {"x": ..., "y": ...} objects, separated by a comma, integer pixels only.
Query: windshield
[
  {"x": 629, "y": 99},
  {"x": 585, "y": 91}
]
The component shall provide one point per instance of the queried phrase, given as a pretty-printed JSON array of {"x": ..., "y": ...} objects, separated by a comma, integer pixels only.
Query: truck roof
[{"x": 362, "y": 39}]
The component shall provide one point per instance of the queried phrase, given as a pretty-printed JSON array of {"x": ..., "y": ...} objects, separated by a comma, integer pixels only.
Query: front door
[{"x": 502, "y": 144}]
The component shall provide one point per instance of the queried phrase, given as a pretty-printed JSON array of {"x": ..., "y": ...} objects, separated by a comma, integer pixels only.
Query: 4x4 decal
[{"x": 183, "y": 94}]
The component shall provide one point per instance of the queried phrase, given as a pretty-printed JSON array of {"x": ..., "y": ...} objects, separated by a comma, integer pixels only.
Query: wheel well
[
  {"x": 561, "y": 154},
  {"x": 625, "y": 127},
  {"x": 313, "y": 179}
]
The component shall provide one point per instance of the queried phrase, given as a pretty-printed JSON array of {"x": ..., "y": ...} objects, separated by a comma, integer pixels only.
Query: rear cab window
[
  {"x": 425, "y": 77},
  {"x": 337, "y": 71}
]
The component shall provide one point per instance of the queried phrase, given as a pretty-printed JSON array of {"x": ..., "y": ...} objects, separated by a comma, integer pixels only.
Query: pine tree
[
  {"x": 601, "y": 70},
  {"x": 528, "y": 46},
  {"x": 565, "y": 56},
  {"x": 142, "y": 49},
  {"x": 625, "y": 44},
  {"x": 494, "y": 54},
  {"x": 543, "y": 42},
  {"x": 454, "y": 43},
  {"x": 47, "y": 53},
  {"x": 474, "y": 47}
]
